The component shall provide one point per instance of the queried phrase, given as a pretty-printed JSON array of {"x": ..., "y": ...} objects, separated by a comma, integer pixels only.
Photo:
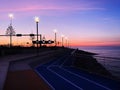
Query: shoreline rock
[{"x": 84, "y": 60}]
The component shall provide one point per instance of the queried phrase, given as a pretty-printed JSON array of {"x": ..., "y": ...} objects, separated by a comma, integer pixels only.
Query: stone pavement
[
  {"x": 4, "y": 65},
  {"x": 5, "y": 61}
]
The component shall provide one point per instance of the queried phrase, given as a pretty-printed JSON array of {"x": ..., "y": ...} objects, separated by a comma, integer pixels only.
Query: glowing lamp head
[
  {"x": 55, "y": 31},
  {"x": 62, "y": 36},
  {"x": 66, "y": 38},
  {"x": 11, "y": 15},
  {"x": 37, "y": 19}
]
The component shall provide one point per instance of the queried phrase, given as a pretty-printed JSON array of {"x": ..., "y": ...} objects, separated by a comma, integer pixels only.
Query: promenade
[
  {"x": 60, "y": 74},
  {"x": 6, "y": 60},
  {"x": 52, "y": 69}
]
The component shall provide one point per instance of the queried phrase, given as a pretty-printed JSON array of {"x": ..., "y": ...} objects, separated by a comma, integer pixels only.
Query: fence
[
  {"x": 112, "y": 64},
  {"x": 20, "y": 40}
]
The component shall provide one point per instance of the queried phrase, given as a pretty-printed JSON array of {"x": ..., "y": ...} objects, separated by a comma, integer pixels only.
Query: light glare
[
  {"x": 11, "y": 15},
  {"x": 62, "y": 35},
  {"x": 36, "y": 19},
  {"x": 66, "y": 38},
  {"x": 55, "y": 31}
]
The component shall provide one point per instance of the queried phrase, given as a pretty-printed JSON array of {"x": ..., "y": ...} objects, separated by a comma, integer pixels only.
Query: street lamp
[
  {"x": 10, "y": 31},
  {"x": 62, "y": 40},
  {"x": 66, "y": 38},
  {"x": 37, "y": 21},
  {"x": 11, "y": 16},
  {"x": 55, "y": 31}
]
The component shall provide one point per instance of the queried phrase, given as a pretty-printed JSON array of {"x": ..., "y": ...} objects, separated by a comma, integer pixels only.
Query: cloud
[
  {"x": 52, "y": 8},
  {"x": 58, "y": 5}
]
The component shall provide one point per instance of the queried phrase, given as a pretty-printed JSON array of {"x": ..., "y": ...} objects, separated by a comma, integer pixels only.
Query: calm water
[{"x": 107, "y": 56}]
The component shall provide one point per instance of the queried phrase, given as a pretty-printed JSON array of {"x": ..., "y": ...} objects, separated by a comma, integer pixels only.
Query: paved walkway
[
  {"x": 59, "y": 75},
  {"x": 4, "y": 64}
]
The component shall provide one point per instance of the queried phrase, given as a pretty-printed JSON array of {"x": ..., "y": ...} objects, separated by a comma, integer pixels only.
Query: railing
[
  {"x": 110, "y": 63},
  {"x": 23, "y": 40}
]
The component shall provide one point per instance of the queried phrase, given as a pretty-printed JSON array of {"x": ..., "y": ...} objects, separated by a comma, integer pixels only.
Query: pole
[
  {"x": 11, "y": 31},
  {"x": 37, "y": 37},
  {"x": 10, "y": 40},
  {"x": 11, "y": 21},
  {"x": 66, "y": 42},
  {"x": 55, "y": 40},
  {"x": 62, "y": 41},
  {"x": 40, "y": 40}
]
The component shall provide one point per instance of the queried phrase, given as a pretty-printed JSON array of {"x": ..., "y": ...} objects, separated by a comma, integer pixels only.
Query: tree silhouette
[{"x": 10, "y": 31}]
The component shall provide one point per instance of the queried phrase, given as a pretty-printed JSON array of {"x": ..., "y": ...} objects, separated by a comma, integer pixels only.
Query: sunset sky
[{"x": 84, "y": 22}]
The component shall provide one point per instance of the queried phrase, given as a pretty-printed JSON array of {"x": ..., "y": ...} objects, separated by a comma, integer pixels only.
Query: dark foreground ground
[
  {"x": 21, "y": 75},
  {"x": 25, "y": 78}
]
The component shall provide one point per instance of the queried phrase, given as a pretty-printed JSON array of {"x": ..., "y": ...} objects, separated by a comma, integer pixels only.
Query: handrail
[
  {"x": 108, "y": 57},
  {"x": 73, "y": 51}
]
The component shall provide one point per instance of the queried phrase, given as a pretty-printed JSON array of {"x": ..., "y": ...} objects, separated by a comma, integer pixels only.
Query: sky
[{"x": 84, "y": 22}]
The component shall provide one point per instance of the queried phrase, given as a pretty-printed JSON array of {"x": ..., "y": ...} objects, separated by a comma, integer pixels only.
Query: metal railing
[{"x": 112, "y": 64}]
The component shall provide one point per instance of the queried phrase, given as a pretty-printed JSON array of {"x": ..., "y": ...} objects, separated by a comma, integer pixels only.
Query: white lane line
[
  {"x": 87, "y": 79},
  {"x": 57, "y": 60},
  {"x": 44, "y": 63},
  {"x": 44, "y": 79},
  {"x": 65, "y": 79}
]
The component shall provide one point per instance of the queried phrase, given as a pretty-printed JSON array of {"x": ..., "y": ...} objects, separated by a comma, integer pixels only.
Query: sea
[{"x": 108, "y": 56}]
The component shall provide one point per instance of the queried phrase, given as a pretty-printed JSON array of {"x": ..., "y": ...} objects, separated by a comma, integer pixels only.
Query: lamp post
[
  {"x": 62, "y": 40},
  {"x": 10, "y": 31},
  {"x": 66, "y": 38},
  {"x": 55, "y": 31},
  {"x": 11, "y": 16},
  {"x": 37, "y": 21}
]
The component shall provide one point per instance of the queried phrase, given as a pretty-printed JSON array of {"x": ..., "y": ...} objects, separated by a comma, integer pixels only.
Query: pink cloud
[
  {"x": 34, "y": 8},
  {"x": 60, "y": 5}
]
